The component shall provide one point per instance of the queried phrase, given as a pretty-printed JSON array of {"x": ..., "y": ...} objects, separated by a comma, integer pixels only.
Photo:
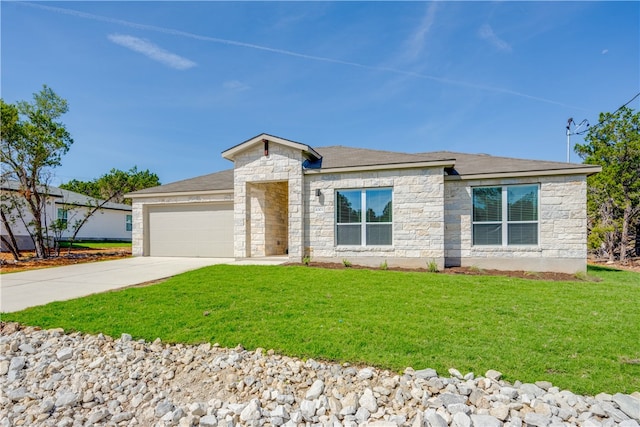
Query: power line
[{"x": 602, "y": 122}]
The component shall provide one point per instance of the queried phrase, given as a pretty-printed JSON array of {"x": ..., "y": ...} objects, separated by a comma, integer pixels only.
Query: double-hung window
[
  {"x": 128, "y": 223},
  {"x": 62, "y": 217},
  {"x": 506, "y": 215},
  {"x": 364, "y": 217}
]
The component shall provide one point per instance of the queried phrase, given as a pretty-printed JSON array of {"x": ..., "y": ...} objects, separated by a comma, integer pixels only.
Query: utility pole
[{"x": 577, "y": 127}]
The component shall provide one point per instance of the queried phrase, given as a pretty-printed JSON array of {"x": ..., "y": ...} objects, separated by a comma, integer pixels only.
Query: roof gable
[{"x": 308, "y": 152}]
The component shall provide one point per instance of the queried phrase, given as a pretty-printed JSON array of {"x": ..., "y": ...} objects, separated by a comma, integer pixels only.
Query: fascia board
[
  {"x": 392, "y": 166},
  {"x": 178, "y": 193},
  {"x": 231, "y": 152},
  {"x": 578, "y": 171}
]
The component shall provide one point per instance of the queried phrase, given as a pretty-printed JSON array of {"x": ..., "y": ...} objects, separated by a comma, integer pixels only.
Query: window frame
[
  {"x": 504, "y": 222},
  {"x": 364, "y": 224},
  {"x": 63, "y": 215},
  {"x": 128, "y": 222}
]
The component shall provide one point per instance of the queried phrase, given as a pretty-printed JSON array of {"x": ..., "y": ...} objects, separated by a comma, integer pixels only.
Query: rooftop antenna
[{"x": 577, "y": 127}]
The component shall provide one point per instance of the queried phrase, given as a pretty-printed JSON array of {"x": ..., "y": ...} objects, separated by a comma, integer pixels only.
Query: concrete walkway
[{"x": 30, "y": 288}]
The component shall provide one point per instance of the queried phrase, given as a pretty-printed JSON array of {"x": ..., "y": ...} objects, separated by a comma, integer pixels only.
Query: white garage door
[{"x": 191, "y": 230}]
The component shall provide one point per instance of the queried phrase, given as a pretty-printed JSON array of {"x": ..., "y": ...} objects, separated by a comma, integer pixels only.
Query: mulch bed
[
  {"x": 467, "y": 271},
  {"x": 77, "y": 256}
]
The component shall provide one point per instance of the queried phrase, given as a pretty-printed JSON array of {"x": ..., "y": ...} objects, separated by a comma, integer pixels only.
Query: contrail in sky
[{"x": 185, "y": 34}]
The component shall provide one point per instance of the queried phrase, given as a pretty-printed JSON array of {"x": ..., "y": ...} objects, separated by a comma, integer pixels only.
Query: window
[
  {"x": 372, "y": 229},
  {"x": 505, "y": 215},
  {"x": 128, "y": 223},
  {"x": 62, "y": 217}
]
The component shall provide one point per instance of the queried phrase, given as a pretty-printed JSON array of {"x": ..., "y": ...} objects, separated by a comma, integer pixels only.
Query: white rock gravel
[{"x": 49, "y": 378}]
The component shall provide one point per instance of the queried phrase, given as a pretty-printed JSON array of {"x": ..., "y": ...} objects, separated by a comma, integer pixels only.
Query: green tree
[
  {"x": 109, "y": 188},
  {"x": 112, "y": 186},
  {"x": 33, "y": 143},
  {"x": 613, "y": 194}
]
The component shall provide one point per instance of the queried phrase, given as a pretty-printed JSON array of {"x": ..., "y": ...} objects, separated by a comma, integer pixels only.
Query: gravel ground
[{"x": 50, "y": 378}]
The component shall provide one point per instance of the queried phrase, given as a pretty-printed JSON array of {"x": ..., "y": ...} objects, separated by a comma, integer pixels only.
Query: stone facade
[
  {"x": 281, "y": 208},
  {"x": 562, "y": 223},
  {"x": 418, "y": 217},
  {"x": 268, "y": 205},
  {"x": 140, "y": 213}
]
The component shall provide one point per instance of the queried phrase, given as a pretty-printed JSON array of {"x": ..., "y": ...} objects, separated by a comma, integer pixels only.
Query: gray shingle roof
[
  {"x": 222, "y": 180},
  {"x": 480, "y": 164},
  {"x": 338, "y": 156}
]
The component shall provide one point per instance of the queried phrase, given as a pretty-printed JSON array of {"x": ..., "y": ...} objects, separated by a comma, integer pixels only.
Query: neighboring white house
[
  {"x": 284, "y": 198},
  {"x": 112, "y": 222}
]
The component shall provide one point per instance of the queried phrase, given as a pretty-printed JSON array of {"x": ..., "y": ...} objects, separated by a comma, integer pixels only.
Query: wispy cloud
[
  {"x": 185, "y": 34},
  {"x": 235, "y": 85},
  {"x": 152, "y": 51},
  {"x": 486, "y": 33},
  {"x": 415, "y": 43},
  {"x": 605, "y": 51}
]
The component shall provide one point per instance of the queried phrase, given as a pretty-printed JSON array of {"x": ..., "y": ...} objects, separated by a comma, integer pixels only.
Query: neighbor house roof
[
  {"x": 77, "y": 199},
  {"x": 339, "y": 158},
  {"x": 12, "y": 185},
  {"x": 66, "y": 197}
]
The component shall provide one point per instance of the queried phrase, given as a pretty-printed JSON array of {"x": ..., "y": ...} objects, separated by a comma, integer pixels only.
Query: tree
[
  {"x": 33, "y": 143},
  {"x": 110, "y": 187},
  {"x": 114, "y": 185},
  {"x": 613, "y": 194}
]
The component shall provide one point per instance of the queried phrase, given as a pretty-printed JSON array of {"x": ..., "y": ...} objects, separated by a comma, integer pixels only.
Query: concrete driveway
[{"x": 37, "y": 287}]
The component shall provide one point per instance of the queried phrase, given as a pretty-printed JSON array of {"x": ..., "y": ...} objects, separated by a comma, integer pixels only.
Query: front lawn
[{"x": 582, "y": 335}]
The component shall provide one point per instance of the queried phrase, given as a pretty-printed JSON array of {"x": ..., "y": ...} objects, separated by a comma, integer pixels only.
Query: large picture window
[
  {"x": 505, "y": 215},
  {"x": 364, "y": 217}
]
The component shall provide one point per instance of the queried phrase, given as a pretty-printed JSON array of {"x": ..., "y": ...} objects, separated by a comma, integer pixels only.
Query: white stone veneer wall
[
  {"x": 140, "y": 209},
  {"x": 418, "y": 217},
  {"x": 562, "y": 245},
  {"x": 284, "y": 164}
]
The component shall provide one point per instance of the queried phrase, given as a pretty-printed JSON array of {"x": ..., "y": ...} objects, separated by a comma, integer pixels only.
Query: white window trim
[
  {"x": 504, "y": 222},
  {"x": 65, "y": 215},
  {"x": 128, "y": 222},
  {"x": 363, "y": 218}
]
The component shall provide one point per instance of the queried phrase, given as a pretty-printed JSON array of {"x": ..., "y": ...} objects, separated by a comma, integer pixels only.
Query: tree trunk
[
  {"x": 606, "y": 218},
  {"x": 11, "y": 242},
  {"x": 624, "y": 238}
]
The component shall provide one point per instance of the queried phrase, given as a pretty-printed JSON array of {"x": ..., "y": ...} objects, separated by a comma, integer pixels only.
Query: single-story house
[
  {"x": 113, "y": 221},
  {"x": 335, "y": 203}
]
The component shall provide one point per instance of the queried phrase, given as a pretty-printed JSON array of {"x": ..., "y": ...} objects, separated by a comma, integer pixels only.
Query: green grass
[
  {"x": 96, "y": 245},
  {"x": 582, "y": 336}
]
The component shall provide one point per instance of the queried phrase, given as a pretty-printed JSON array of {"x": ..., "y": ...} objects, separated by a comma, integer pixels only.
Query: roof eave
[
  {"x": 307, "y": 150},
  {"x": 178, "y": 193},
  {"x": 81, "y": 205},
  {"x": 521, "y": 174},
  {"x": 387, "y": 166}
]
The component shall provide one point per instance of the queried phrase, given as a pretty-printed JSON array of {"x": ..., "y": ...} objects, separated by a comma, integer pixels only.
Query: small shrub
[
  {"x": 432, "y": 267},
  {"x": 346, "y": 263},
  {"x": 384, "y": 265},
  {"x": 581, "y": 275},
  {"x": 306, "y": 260},
  {"x": 476, "y": 269}
]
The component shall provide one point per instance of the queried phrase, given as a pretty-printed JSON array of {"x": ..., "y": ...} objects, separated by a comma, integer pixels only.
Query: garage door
[{"x": 191, "y": 230}]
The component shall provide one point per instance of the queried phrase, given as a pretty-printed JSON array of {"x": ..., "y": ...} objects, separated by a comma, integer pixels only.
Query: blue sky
[{"x": 168, "y": 86}]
